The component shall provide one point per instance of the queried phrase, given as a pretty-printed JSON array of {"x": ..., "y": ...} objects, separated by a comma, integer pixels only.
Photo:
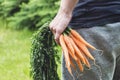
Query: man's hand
[{"x": 59, "y": 24}]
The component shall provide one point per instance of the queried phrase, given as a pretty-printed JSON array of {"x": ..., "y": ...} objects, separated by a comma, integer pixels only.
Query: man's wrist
[{"x": 66, "y": 12}]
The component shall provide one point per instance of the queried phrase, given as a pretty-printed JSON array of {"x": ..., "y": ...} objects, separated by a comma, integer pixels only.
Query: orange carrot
[
  {"x": 68, "y": 43},
  {"x": 69, "y": 69},
  {"x": 72, "y": 55},
  {"x": 70, "y": 47},
  {"x": 87, "y": 62},
  {"x": 77, "y": 51},
  {"x": 80, "y": 65},
  {"x": 65, "y": 50},
  {"x": 79, "y": 37},
  {"x": 72, "y": 64},
  {"x": 83, "y": 48}
]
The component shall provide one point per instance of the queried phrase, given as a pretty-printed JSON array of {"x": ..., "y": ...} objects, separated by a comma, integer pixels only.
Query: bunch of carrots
[{"x": 75, "y": 48}]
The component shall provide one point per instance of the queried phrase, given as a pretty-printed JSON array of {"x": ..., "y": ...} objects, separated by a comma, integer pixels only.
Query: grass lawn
[{"x": 14, "y": 54}]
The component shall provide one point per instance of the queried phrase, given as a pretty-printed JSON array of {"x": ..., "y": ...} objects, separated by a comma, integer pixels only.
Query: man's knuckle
[{"x": 58, "y": 31}]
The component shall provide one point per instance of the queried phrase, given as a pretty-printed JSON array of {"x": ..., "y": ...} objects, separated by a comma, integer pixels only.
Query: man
[{"x": 98, "y": 21}]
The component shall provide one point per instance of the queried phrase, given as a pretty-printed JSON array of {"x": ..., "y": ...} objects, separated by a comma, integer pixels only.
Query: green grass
[{"x": 14, "y": 53}]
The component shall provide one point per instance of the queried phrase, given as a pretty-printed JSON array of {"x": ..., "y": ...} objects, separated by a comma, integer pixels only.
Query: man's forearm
[{"x": 67, "y": 6}]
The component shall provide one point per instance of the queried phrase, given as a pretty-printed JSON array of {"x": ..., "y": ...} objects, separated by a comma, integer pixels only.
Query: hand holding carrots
[
  {"x": 76, "y": 48},
  {"x": 59, "y": 24}
]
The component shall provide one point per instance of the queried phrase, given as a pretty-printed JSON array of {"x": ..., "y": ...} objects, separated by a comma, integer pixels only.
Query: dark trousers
[{"x": 107, "y": 39}]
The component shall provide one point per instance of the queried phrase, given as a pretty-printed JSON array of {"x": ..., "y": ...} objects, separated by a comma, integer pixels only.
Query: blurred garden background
[{"x": 19, "y": 20}]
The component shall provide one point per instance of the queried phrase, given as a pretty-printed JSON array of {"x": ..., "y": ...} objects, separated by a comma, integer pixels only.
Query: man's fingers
[
  {"x": 57, "y": 35},
  {"x": 52, "y": 29}
]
